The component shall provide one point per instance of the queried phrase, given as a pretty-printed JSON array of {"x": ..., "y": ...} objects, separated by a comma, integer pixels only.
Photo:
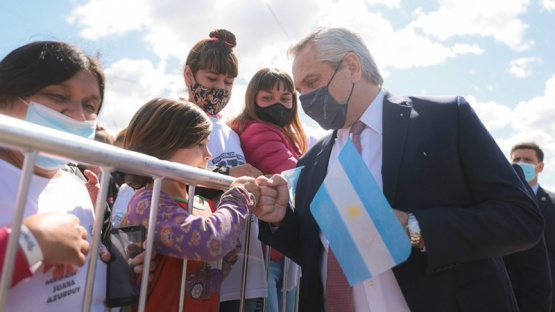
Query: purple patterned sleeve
[
  {"x": 230, "y": 259},
  {"x": 181, "y": 235}
]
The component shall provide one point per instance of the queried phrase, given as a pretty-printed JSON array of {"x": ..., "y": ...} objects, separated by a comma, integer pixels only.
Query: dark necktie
[
  {"x": 356, "y": 130},
  {"x": 339, "y": 295}
]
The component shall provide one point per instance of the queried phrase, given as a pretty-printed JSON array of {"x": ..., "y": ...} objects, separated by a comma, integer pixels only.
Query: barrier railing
[{"x": 31, "y": 139}]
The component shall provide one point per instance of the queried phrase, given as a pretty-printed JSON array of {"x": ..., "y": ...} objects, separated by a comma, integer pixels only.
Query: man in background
[{"x": 529, "y": 156}]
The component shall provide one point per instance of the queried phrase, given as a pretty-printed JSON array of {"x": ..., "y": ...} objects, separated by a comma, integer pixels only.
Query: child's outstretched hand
[{"x": 249, "y": 184}]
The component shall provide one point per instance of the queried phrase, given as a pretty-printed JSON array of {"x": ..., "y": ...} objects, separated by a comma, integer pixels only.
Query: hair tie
[{"x": 216, "y": 39}]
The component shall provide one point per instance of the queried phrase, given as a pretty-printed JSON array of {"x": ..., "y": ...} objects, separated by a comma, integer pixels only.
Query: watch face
[
  {"x": 414, "y": 230},
  {"x": 196, "y": 290},
  {"x": 412, "y": 225}
]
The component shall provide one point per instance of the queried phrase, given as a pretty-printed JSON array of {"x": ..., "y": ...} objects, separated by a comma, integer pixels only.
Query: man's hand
[
  {"x": 273, "y": 200},
  {"x": 244, "y": 170},
  {"x": 60, "y": 236},
  {"x": 403, "y": 219}
]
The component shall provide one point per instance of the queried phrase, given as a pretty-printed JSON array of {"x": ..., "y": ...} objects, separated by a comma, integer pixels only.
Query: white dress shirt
[{"x": 380, "y": 293}]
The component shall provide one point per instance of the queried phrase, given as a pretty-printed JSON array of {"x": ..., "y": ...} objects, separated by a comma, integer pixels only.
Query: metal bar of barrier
[
  {"x": 18, "y": 134},
  {"x": 190, "y": 206},
  {"x": 284, "y": 285},
  {"x": 245, "y": 264},
  {"x": 183, "y": 286},
  {"x": 11, "y": 249},
  {"x": 286, "y": 263},
  {"x": 267, "y": 263},
  {"x": 99, "y": 209},
  {"x": 149, "y": 242}
]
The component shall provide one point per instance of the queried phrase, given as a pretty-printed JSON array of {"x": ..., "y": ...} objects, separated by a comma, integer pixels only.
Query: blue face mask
[
  {"x": 323, "y": 108},
  {"x": 529, "y": 170},
  {"x": 44, "y": 116}
]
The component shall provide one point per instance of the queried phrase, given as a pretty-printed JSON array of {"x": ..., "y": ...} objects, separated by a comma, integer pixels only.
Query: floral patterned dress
[{"x": 208, "y": 238}]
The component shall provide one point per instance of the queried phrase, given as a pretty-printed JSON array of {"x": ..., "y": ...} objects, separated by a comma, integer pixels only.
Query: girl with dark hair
[
  {"x": 273, "y": 139},
  {"x": 179, "y": 132}
]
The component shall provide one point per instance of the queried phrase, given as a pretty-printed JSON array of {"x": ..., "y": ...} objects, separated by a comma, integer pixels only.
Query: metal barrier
[{"x": 32, "y": 139}]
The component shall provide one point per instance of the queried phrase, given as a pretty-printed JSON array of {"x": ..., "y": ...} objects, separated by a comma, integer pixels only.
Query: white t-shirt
[
  {"x": 52, "y": 288},
  {"x": 225, "y": 147},
  {"x": 119, "y": 208}
]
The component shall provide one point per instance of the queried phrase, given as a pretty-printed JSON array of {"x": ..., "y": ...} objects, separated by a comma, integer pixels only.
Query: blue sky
[{"x": 499, "y": 54}]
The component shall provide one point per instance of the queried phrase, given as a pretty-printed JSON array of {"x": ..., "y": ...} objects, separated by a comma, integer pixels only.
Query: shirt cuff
[{"x": 30, "y": 246}]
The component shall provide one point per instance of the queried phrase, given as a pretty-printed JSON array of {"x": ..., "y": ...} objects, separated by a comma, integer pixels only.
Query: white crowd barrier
[{"x": 32, "y": 139}]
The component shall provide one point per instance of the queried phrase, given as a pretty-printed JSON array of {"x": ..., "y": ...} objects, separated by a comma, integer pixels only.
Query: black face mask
[
  {"x": 323, "y": 108},
  {"x": 276, "y": 114}
]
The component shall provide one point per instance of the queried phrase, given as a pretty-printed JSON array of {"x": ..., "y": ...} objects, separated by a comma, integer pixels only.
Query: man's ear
[
  {"x": 353, "y": 63},
  {"x": 539, "y": 167}
]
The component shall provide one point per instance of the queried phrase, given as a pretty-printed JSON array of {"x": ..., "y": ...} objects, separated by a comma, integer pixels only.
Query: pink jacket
[{"x": 267, "y": 148}]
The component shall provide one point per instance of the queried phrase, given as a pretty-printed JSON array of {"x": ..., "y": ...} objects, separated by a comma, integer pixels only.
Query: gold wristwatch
[{"x": 414, "y": 230}]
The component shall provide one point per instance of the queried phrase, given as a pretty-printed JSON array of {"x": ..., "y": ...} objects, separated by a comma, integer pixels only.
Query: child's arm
[
  {"x": 230, "y": 259},
  {"x": 181, "y": 235}
]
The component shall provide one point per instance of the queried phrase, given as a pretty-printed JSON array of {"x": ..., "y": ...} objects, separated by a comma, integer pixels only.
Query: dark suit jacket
[
  {"x": 440, "y": 163},
  {"x": 546, "y": 203},
  {"x": 530, "y": 272}
]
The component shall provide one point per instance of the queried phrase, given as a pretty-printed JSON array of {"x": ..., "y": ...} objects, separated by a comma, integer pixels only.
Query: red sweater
[
  {"x": 267, "y": 148},
  {"x": 21, "y": 268}
]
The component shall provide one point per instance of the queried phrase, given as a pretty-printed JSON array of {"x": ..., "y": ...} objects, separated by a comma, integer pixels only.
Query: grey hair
[{"x": 332, "y": 43}]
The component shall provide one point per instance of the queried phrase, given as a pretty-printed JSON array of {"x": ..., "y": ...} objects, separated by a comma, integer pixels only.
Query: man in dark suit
[
  {"x": 529, "y": 156},
  {"x": 434, "y": 159},
  {"x": 529, "y": 270}
]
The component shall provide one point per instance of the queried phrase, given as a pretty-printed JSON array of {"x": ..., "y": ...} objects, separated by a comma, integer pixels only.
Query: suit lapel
[
  {"x": 397, "y": 112},
  {"x": 315, "y": 171},
  {"x": 543, "y": 200},
  {"x": 310, "y": 180}
]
